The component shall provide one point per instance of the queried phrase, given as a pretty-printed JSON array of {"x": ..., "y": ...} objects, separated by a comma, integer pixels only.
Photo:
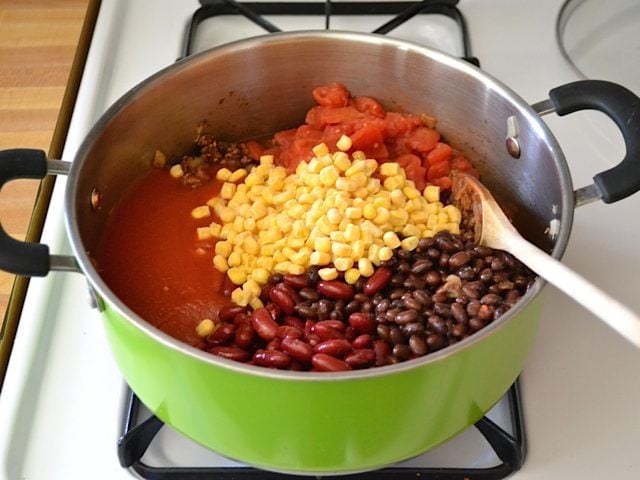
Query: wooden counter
[{"x": 38, "y": 43}]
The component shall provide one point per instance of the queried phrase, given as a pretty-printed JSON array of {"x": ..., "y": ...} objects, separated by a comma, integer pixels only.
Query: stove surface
[{"x": 63, "y": 400}]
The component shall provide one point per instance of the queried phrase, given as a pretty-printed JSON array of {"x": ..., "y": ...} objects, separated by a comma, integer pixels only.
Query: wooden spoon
[{"x": 493, "y": 229}]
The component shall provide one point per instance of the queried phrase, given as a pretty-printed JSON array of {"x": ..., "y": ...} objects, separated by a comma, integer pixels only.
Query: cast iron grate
[
  {"x": 510, "y": 448},
  {"x": 401, "y": 12}
]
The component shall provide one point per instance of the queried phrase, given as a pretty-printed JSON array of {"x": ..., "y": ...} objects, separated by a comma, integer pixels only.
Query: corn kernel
[
  {"x": 365, "y": 267},
  {"x": 176, "y": 171},
  {"x": 351, "y": 276},
  {"x": 234, "y": 259},
  {"x": 320, "y": 150},
  {"x": 205, "y": 327},
  {"x": 389, "y": 169},
  {"x": 319, "y": 258},
  {"x": 340, "y": 249},
  {"x": 343, "y": 263},
  {"x": 453, "y": 213},
  {"x": 223, "y": 248},
  {"x": 344, "y": 143},
  {"x": 353, "y": 213},
  {"x": 328, "y": 273},
  {"x": 240, "y": 297},
  {"x": 431, "y": 193},
  {"x": 260, "y": 275},
  {"x": 220, "y": 263},
  {"x": 393, "y": 183},
  {"x": 385, "y": 253},
  {"x": 223, "y": 174},
  {"x": 409, "y": 243},
  {"x": 256, "y": 303},
  {"x": 328, "y": 175},
  {"x": 228, "y": 190},
  {"x": 369, "y": 211},
  {"x": 237, "y": 275},
  {"x": 202, "y": 211},
  {"x": 237, "y": 175},
  {"x": 351, "y": 232},
  {"x": 341, "y": 161},
  {"x": 391, "y": 240},
  {"x": 204, "y": 233}
]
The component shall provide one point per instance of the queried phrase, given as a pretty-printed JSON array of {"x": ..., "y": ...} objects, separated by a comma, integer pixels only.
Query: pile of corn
[{"x": 341, "y": 213}]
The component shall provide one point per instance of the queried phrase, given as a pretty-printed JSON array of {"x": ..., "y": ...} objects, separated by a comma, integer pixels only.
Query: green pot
[{"x": 317, "y": 423}]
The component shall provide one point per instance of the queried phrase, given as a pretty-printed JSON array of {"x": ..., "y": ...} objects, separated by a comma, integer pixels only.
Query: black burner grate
[{"x": 510, "y": 448}]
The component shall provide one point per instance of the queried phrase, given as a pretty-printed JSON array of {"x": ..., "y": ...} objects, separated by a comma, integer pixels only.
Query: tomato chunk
[
  {"x": 332, "y": 95},
  {"x": 423, "y": 139}
]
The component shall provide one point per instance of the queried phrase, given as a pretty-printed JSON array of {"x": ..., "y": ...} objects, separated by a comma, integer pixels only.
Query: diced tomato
[
  {"x": 370, "y": 106},
  {"x": 319, "y": 117},
  {"x": 460, "y": 164},
  {"x": 441, "y": 153},
  {"x": 412, "y": 166},
  {"x": 399, "y": 124},
  {"x": 437, "y": 170},
  {"x": 332, "y": 95},
  {"x": 332, "y": 133},
  {"x": 285, "y": 138},
  {"x": 423, "y": 139},
  {"x": 255, "y": 149},
  {"x": 368, "y": 135},
  {"x": 444, "y": 183},
  {"x": 379, "y": 152}
]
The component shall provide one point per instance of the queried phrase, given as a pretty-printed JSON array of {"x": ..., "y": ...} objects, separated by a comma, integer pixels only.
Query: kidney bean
[
  {"x": 326, "y": 363},
  {"x": 325, "y": 332},
  {"x": 244, "y": 335},
  {"x": 362, "y": 341},
  {"x": 294, "y": 322},
  {"x": 228, "y": 312},
  {"x": 287, "y": 331},
  {"x": 296, "y": 281},
  {"x": 264, "y": 325},
  {"x": 231, "y": 353},
  {"x": 377, "y": 281},
  {"x": 273, "y": 344},
  {"x": 336, "y": 347},
  {"x": 271, "y": 359},
  {"x": 282, "y": 298},
  {"x": 297, "y": 349},
  {"x": 362, "y": 322},
  {"x": 335, "y": 289},
  {"x": 273, "y": 310},
  {"x": 361, "y": 358},
  {"x": 222, "y": 334},
  {"x": 337, "y": 325}
]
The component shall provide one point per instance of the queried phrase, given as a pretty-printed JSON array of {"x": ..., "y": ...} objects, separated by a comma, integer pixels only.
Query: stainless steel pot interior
[{"x": 254, "y": 87}]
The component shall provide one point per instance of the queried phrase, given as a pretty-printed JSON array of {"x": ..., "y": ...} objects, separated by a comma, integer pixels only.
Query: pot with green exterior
[{"x": 307, "y": 422}]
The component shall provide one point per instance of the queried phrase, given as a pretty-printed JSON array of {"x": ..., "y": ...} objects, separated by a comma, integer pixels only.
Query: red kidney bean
[
  {"x": 296, "y": 281},
  {"x": 325, "y": 332},
  {"x": 264, "y": 325},
  {"x": 377, "y": 281},
  {"x": 336, "y": 347},
  {"x": 282, "y": 298},
  {"x": 275, "y": 344},
  {"x": 294, "y": 322},
  {"x": 361, "y": 358},
  {"x": 222, "y": 334},
  {"x": 326, "y": 363},
  {"x": 287, "y": 331},
  {"x": 244, "y": 335},
  {"x": 362, "y": 322},
  {"x": 297, "y": 349},
  {"x": 271, "y": 358},
  {"x": 335, "y": 324},
  {"x": 362, "y": 341},
  {"x": 273, "y": 310},
  {"x": 228, "y": 312},
  {"x": 231, "y": 353},
  {"x": 382, "y": 350},
  {"x": 335, "y": 289}
]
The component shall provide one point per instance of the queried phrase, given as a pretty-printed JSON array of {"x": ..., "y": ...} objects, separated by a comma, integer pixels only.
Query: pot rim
[{"x": 106, "y": 294}]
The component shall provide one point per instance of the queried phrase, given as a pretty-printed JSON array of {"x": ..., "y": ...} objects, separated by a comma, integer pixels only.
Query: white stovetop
[{"x": 581, "y": 384}]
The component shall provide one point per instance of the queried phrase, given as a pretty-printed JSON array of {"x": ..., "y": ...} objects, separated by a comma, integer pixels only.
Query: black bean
[
  {"x": 396, "y": 336},
  {"x": 309, "y": 294},
  {"x": 406, "y": 316},
  {"x": 433, "y": 278},
  {"x": 459, "y": 313},
  {"x": 417, "y": 345},
  {"x": 411, "y": 302},
  {"x": 435, "y": 342},
  {"x": 491, "y": 299},
  {"x": 305, "y": 311},
  {"x": 401, "y": 351},
  {"x": 421, "y": 266},
  {"x": 459, "y": 260},
  {"x": 413, "y": 328}
]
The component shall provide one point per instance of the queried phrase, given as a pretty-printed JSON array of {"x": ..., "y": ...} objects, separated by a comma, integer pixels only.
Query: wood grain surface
[{"x": 38, "y": 40}]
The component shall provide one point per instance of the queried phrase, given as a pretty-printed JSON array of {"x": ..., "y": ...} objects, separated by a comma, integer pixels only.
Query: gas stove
[{"x": 65, "y": 411}]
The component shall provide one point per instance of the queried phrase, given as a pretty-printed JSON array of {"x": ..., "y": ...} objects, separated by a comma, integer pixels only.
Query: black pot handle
[
  {"x": 23, "y": 258},
  {"x": 623, "y": 107}
]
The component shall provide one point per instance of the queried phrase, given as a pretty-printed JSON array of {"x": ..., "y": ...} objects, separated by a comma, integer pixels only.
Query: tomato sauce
[{"x": 151, "y": 258}]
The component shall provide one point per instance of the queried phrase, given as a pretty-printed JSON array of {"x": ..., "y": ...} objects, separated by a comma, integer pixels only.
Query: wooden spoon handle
[{"x": 611, "y": 311}]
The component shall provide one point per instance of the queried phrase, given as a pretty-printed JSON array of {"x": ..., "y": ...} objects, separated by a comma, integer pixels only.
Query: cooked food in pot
[{"x": 329, "y": 247}]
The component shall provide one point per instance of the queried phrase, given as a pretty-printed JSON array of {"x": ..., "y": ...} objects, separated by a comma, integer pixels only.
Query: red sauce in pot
[{"x": 152, "y": 259}]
